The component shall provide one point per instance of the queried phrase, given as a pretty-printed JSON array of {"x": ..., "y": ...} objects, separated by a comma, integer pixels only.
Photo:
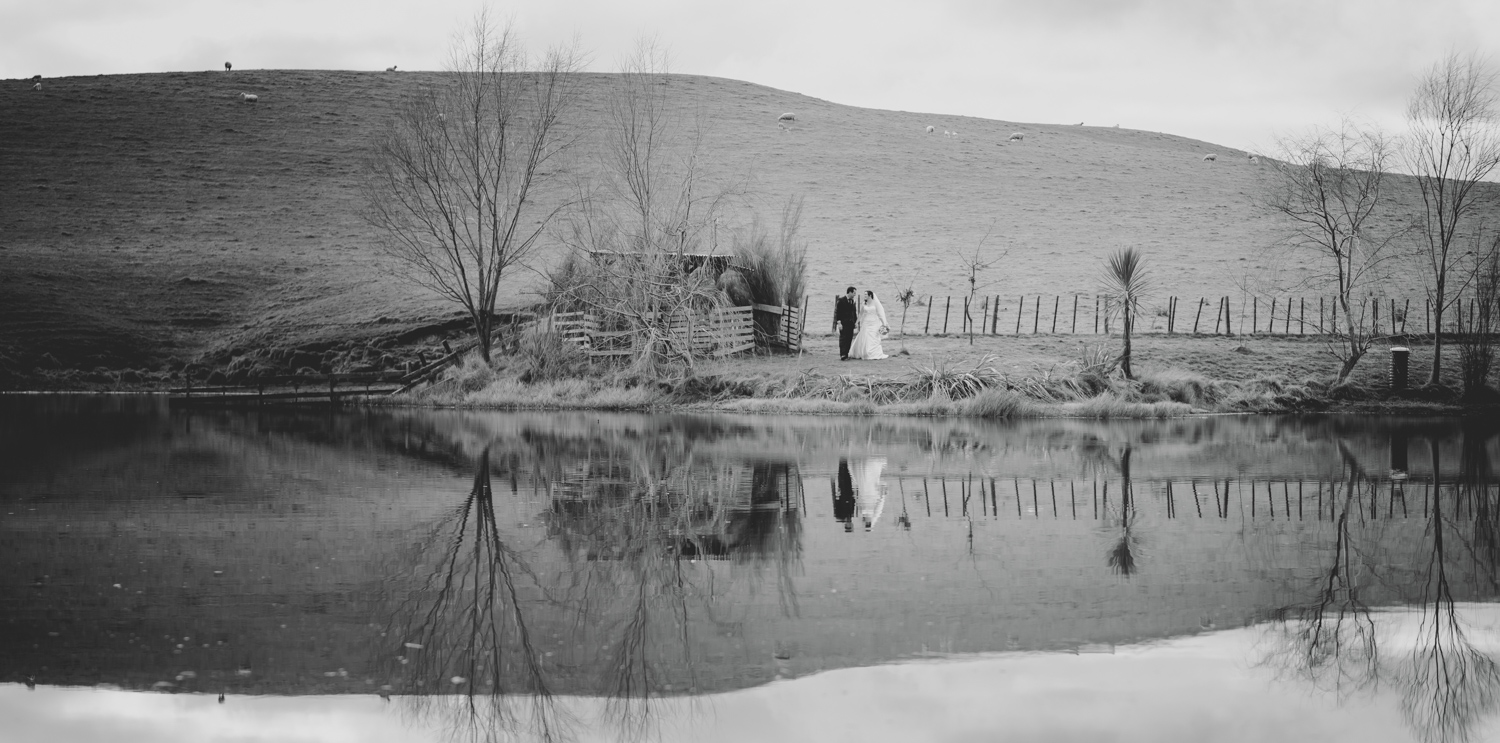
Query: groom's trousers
[{"x": 846, "y": 339}]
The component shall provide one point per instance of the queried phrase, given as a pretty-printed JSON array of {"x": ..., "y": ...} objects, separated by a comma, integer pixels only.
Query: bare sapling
[
  {"x": 1477, "y": 345},
  {"x": 975, "y": 264}
]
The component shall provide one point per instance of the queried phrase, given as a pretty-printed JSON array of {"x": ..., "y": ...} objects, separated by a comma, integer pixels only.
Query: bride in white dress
[
  {"x": 872, "y": 326},
  {"x": 871, "y": 490}
]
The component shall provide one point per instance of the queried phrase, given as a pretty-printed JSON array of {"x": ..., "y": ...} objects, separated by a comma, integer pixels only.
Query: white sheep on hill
[
  {"x": 249, "y": 97},
  {"x": 1210, "y": 157},
  {"x": 930, "y": 129},
  {"x": 1017, "y": 136},
  {"x": 36, "y": 86},
  {"x": 788, "y": 116}
]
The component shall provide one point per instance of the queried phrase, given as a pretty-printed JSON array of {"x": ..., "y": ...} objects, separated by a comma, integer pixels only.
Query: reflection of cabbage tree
[
  {"x": 1331, "y": 640},
  {"x": 1448, "y": 683},
  {"x": 643, "y": 536},
  {"x": 1121, "y": 557},
  {"x": 463, "y": 652}
]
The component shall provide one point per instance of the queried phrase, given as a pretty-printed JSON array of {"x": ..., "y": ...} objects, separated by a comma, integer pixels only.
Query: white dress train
[{"x": 866, "y": 343}]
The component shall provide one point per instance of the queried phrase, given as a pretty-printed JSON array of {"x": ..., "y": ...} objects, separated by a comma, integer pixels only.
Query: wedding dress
[{"x": 871, "y": 321}]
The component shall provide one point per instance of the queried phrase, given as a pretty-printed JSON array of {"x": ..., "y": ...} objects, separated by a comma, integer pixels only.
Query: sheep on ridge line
[
  {"x": 788, "y": 116},
  {"x": 228, "y": 67},
  {"x": 249, "y": 97},
  {"x": 392, "y": 68},
  {"x": 1016, "y": 137}
]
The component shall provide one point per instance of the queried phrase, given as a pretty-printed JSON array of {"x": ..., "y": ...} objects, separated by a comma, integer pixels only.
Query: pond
[{"x": 307, "y": 573}]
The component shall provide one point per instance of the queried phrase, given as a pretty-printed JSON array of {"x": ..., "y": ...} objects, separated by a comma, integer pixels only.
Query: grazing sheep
[
  {"x": 1016, "y": 137},
  {"x": 228, "y": 67},
  {"x": 788, "y": 116},
  {"x": 249, "y": 97},
  {"x": 1210, "y": 157},
  {"x": 930, "y": 129},
  {"x": 36, "y": 78},
  {"x": 955, "y": 132},
  {"x": 36, "y": 86},
  {"x": 392, "y": 68},
  {"x": 1079, "y": 124}
]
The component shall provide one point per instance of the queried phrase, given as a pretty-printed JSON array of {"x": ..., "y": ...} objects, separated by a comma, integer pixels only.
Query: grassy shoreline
[{"x": 1000, "y": 377}]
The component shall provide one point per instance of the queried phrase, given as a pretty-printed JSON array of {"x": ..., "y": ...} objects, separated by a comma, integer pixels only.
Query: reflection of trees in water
[
  {"x": 463, "y": 650},
  {"x": 1447, "y": 684},
  {"x": 648, "y": 531},
  {"x": 1331, "y": 640},
  {"x": 643, "y": 535}
]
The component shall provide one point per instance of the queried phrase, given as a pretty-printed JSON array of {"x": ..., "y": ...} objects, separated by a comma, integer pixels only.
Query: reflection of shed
[{"x": 738, "y": 511}]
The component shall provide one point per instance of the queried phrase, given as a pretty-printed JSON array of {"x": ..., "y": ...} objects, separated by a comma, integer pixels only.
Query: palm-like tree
[{"x": 1125, "y": 284}]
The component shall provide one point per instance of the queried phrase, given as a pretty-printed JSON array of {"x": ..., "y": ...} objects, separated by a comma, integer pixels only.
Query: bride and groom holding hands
[{"x": 861, "y": 323}]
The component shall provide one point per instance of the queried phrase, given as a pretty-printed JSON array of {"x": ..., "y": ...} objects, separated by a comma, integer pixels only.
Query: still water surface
[{"x": 439, "y": 575}]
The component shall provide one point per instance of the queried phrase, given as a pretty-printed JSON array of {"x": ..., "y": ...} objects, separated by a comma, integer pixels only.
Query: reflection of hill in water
[{"x": 342, "y": 526}]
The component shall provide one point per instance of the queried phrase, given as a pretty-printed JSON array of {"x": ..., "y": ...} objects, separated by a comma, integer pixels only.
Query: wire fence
[{"x": 1082, "y": 314}]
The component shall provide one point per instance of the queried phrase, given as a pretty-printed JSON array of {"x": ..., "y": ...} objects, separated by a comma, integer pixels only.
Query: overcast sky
[{"x": 1234, "y": 73}]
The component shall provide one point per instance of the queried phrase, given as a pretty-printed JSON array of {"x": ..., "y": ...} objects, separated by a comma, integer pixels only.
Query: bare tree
[
  {"x": 975, "y": 264},
  {"x": 1330, "y": 187},
  {"x": 1453, "y": 143},
  {"x": 457, "y": 176}
]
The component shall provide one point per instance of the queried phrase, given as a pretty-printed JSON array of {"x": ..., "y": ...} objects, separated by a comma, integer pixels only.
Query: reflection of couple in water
[{"x": 867, "y": 499}]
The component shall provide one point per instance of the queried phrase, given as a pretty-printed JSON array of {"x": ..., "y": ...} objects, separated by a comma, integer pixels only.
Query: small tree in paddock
[
  {"x": 1125, "y": 285},
  {"x": 906, "y": 297},
  {"x": 1329, "y": 187},
  {"x": 456, "y": 178},
  {"x": 974, "y": 264}
]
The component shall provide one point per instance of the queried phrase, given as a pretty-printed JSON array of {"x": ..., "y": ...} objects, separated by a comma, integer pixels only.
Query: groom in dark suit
[{"x": 845, "y": 317}]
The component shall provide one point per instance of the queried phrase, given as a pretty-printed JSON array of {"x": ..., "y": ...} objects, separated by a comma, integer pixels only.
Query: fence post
[
  {"x": 927, "y": 326},
  {"x": 1171, "y": 310},
  {"x": 1334, "y": 316},
  {"x": 1036, "y": 320},
  {"x": 1254, "y": 312},
  {"x": 1228, "y": 326},
  {"x": 1201, "y": 302},
  {"x": 1405, "y": 313},
  {"x": 948, "y": 305},
  {"x": 1056, "y": 302},
  {"x": 1427, "y": 315},
  {"x": 995, "y": 319},
  {"x": 1075, "y": 315},
  {"x": 1301, "y": 316},
  {"x": 964, "y": 323},
  {"x": 1020, "y": 310},
  {"x": 1096, "y": 315}
]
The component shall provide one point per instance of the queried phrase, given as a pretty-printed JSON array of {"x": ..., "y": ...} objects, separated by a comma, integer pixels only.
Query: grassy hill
[{"x": 151, "y": 220}]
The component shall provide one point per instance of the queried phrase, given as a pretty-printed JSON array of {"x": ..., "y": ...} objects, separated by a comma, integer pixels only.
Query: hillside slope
[{"x": 148, "y": 220}]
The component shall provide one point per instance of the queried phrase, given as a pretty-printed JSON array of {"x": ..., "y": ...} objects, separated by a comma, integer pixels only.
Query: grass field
[{"x": 153, "y": 220}]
